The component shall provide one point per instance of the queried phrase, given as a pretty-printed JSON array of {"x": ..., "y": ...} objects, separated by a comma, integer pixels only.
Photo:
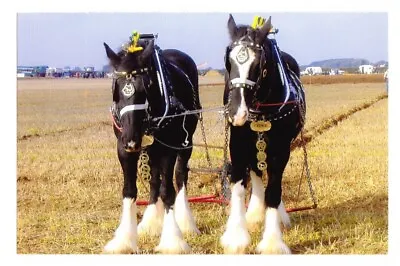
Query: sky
[{"x": 76, "y": 38}]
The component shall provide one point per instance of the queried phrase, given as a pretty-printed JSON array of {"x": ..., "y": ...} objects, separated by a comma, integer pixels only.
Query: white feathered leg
[
  {"x": 171, "y": 241},
  {"x": 125, "y": 237},
  {"x": 256, "y": 209},
  {"x": 272, "y": 242},
  {"x": 183, "y": 214},
  {"x": 284, "y": 215},
  {"x": 152, "y": 220},
  {"x": 236, "y": 237}
]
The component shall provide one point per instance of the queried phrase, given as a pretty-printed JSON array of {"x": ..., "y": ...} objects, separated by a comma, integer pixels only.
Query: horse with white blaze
[{"x": 265, "y": 103}]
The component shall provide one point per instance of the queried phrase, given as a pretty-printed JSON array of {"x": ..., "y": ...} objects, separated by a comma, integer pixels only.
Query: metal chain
[
  {"x": 313, "y": 197},
  {"x": 302, "y": 114},
  {"x": 203, "y": 133},
  {"x": 143, "y": 169},
  {"x": 226, "y": 194}
]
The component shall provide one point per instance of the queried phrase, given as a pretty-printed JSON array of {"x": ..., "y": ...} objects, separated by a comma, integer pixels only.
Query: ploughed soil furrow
[
  {"x": 54, "y": 133},
  {"x": 307, "y": 135},
  {"x": 327, "y": 124}
]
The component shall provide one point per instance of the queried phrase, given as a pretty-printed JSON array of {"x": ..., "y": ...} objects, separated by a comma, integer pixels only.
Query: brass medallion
[
  {"x": 147, "y": 140},
  {"x": 262, "y": 166},
  {"x": 143, "y": 166},
  {"x": 146, "y": 176},
  {"x": 261, "y": 145},
  {"x": 144, "y": 158},
  {"x": 260, "y": 126},
  {"x": 261, "y": 156}
]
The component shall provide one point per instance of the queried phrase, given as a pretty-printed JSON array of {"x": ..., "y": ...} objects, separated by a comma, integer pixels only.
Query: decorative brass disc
[
  {"x": 145, "y": 168},
  {"x": 264, "y": 73},
  {"x": 260, "y": 126},
  {"x": 147, "y": 140},
  {"x": 145, "y": 172},
  {"x": 146, "y": 176},
  {"x": 261, "y": 145},
  {"x": 261, "y": 156},
  {"x": 262, "y": 166},
  {"x": 144, "y": 158}
]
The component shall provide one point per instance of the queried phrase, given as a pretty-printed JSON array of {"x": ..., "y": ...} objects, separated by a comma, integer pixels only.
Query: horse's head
[
  {"x": 131, "y": 81},
  {"x": 245, "y": 63}
]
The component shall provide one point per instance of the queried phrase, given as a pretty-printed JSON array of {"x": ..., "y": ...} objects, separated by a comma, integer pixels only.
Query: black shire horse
[
  {"x": 266, "y": 108},
  {"x": 150, "y": 86}
]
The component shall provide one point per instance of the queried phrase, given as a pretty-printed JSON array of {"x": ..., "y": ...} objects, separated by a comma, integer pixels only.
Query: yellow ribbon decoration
[
  {"x": 133, "y": 47},
  {"x": 258, "y": 22}
]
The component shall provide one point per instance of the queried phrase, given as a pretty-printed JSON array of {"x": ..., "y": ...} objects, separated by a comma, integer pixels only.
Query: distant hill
[{"x": 343, "y": 63}]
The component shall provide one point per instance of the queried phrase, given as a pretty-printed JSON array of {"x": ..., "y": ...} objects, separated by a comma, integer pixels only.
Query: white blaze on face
[{"x": 243, "y": 58}]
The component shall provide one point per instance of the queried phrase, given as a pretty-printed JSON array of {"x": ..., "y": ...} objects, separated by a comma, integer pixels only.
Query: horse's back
[
  {"x": 184, "y": 62},
  {"x": 181, "y": 67}
]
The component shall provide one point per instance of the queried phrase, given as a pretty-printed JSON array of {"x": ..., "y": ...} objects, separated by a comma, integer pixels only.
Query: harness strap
[
  {"x": 282, "y": 72},
  {"x": 238, "y": 82},
  {"x": 133, "y": 72},
  {"x": 133, "y": 107}
]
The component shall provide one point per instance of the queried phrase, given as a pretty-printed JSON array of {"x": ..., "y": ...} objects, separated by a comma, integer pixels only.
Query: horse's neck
[{"x": 271, "y": 88}]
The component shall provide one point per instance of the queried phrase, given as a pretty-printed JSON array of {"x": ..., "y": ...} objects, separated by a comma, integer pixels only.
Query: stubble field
[{"x": 69, "y": 181}]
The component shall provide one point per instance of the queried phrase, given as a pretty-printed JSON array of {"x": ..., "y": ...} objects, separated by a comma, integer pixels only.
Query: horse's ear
[
  {"x": 265, "y": 29},
  {"x": 232, "y": 27},
  {"x": 113, "y": 57},
  {"x": 148, "y": 51}
]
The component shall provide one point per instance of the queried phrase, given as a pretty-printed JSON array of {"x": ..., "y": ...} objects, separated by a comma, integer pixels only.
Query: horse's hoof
[
  {"x": 235, "y": 241},
  {"x": 272, "y": 245},
  {"x": 122, "y": 245},
  {"x": 173, "y": 246},
  {"x": 254, "y": 220}
]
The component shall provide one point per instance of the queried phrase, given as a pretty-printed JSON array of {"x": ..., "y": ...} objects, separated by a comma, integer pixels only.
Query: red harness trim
[
  {"x": 115, "y": 123},
  {"x": 258, "y": 104}
]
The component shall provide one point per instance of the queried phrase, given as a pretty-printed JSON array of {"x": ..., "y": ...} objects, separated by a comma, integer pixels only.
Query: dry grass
[{"x": 69, "y": 181}]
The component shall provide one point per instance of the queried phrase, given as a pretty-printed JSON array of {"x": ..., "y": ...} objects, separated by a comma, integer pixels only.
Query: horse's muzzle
[{"x": 132, "y": 146}]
